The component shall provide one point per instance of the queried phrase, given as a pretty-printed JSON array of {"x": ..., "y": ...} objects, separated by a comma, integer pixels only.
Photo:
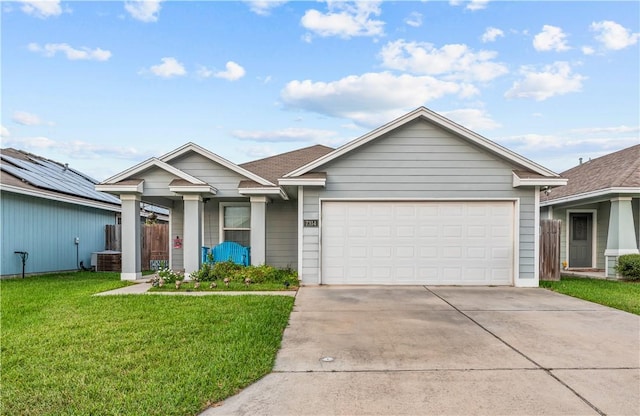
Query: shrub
[
  {"x": 629, "y": 266},
  {"x": 263, "y": 274},
  {"x": 203, "y": 274},
  {"x": 238, "y": 273},
  {"x": 168, "y": 275},
  {"x": 225, "y": 269}
]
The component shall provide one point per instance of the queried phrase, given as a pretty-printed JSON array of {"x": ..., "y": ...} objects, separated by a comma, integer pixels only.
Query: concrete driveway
[{"x": 448, "y": 351}]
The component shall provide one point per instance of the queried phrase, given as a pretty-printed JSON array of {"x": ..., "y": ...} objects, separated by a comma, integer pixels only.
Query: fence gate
[
  {"x": 154, "y": 243},
  {"x": 550, "y": 249}
]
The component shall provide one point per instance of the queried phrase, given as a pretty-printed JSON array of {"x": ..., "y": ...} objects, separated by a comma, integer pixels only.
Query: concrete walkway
[
  {"x": 448, "y": 351},
  {"x": 141, "y": 287}
]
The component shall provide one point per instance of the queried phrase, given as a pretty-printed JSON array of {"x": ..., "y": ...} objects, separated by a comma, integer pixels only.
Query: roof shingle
[
  {"x": 274, "y": 167},
  {"x": 620, "y": 169}
]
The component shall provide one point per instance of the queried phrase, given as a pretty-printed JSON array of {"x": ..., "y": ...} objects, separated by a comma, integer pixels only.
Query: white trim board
[{"x": 606, "y": 195}]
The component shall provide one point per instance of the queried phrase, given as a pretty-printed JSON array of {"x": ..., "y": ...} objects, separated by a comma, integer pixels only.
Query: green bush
[
  {"x": 629, "y": 266},
  {"x": 267, "y": 274},
  {"x": 225, "y": 269},
  {"x": 238, "y": 273},
  {"x": 203, "y": 274}
]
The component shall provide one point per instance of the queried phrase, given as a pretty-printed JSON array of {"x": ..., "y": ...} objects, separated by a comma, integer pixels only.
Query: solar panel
[{"x": 53, "y": 176}]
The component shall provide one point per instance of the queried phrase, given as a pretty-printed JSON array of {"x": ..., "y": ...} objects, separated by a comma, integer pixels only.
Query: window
[{"x": 235, "y": 223}]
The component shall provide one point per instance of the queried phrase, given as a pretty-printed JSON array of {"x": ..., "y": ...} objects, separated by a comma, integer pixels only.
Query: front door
[{"x": 580, "y": 239}]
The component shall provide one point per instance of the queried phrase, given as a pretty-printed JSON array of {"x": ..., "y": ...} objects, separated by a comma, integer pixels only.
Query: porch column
[
  {"x": 621, "y": 238},
  {"x": 130, "y": 236},
  {"x": 192, "y": 239},
  {"x": 258, "y": 229}
]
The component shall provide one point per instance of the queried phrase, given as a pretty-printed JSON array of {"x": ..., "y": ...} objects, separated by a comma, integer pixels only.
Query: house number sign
[{"x": 310, "y": 223}]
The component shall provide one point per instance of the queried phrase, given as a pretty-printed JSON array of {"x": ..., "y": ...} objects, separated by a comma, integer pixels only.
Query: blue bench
[{"x": 227, "y": 251}]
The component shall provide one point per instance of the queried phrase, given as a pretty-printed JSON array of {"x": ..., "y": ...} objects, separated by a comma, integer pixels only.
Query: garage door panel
[{"x": 443, "y": 242}]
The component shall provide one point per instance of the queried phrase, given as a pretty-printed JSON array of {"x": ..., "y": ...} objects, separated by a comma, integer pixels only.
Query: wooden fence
[
  {"x": 154, "y": 243},
  {"x": 550, "y": 249}
]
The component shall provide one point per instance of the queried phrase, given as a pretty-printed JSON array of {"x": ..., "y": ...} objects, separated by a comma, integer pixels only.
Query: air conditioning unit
[{"x": 106, "y": 261}]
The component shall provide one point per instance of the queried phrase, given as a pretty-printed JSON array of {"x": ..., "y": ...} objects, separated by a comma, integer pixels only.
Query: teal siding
[{"x": 47, "y": 229}]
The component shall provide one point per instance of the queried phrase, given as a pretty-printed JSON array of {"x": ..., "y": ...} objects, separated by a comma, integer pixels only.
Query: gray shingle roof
[{"x": 620, "y": 169}]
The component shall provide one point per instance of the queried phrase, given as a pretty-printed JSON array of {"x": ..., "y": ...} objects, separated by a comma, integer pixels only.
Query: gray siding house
[
  {"x": 420, "y": 200},
  {"x": 600, "y": 211}
]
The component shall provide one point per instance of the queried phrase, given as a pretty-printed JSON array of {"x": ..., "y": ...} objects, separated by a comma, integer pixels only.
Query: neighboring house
[
  {"x": 45, "y": 206},
  {"x": 420, "y": 200},
  {"x": 600, "y": 211}
]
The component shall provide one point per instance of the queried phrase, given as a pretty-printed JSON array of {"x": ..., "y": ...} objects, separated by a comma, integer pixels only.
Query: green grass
[
  {"x": 64, "y": 352},
  {"x": 623, "y": 295},
  {"x": 233, "y": 286}
]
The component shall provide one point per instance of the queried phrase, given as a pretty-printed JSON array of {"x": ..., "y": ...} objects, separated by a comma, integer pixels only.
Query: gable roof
[
  {"x": 616, "y": 170},
  {"x": 192, "y": 147},
  {"x": 149, "y": 163},
  {"x": 35, "y": 175},
  {"x": 274, "y": 167},
  {"x": 437, "y": 119}
]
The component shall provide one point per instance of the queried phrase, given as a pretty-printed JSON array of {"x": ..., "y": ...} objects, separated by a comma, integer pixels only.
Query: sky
[{"x": 104, "y": 85}]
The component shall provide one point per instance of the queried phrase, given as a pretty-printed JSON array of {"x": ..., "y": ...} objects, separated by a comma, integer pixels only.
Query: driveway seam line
[{"x": 546, "y": 370}]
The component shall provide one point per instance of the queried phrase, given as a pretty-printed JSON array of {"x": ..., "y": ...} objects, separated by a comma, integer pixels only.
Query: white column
[
  {"x": 621, "y": 238},
  {"x": 258, "y": 229},
  {"x": 300, "y": 229},
  {"x": 130, "y": 236},
  {"x": 192, "y": 243}
]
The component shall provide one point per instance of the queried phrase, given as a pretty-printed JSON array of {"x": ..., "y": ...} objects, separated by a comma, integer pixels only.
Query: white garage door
[{"x": 426, "y": 243}]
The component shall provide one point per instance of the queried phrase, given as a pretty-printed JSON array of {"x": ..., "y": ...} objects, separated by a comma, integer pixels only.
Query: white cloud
[
  {"x": 258, "y": 151},
  {"x": 491, "y": 34},
  {"x": 99, "y": 161},
  {"x": 28, "y": 119},
  {"x": 594, "y": 131},
  {"x": 477, "y": 5},
  {"x": 78, "y": 148},
  {"x": 454, "y": 62},
  {"x": 291, "y": 134},
  {"x": 472, "y": 5},
  {"x": 588, "y": 50},
  {"x": 169, "y": 67},
  {"x": 345, "y": 19},
  {"x": 555, "y": 79},
  {"x": 613, "y": 35},
  {"x": 551, "y": 38},
  {"x": 372, "y": 98},
  {"x": 263, "y": 8},
  {"x": 143, "y": 10},
  {"x": 414, "y": 19},
  {"x": 204, "y": 72},
  {"x": 563, "y": 141},
  {"x": 4, "y": 132},
  {"x": 471, "y": 118},
  {"x": 84, "y": 53},
  {"x": 41, "y": 9},
  {"x": 233, "y": 72}
]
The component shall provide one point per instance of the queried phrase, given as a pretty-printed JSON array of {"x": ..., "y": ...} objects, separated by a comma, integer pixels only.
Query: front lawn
[
  {"x": 623, "y": 295},
  {"x": 65, "y": 352},
  {"x": 222, "y": 287}
]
